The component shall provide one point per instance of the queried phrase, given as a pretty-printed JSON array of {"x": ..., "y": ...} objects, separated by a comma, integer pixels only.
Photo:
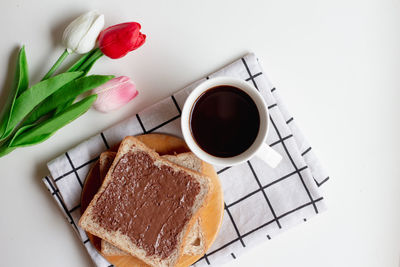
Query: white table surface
[{"x": 336, "y": 64}]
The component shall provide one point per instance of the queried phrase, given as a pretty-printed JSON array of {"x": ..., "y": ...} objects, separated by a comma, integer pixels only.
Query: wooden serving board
[{"x": 210, "y": 214}]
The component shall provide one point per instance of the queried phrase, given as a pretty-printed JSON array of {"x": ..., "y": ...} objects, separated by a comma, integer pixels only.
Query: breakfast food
[
  {"x": 194, "y": 242},
  {"x": 145, "y": 204},
  {"x": 105, "y": 161},
  {"x": 187, "y": 160}
]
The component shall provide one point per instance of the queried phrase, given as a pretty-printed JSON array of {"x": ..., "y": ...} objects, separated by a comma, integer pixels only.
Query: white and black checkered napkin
[{"x": 260, "y": 202}]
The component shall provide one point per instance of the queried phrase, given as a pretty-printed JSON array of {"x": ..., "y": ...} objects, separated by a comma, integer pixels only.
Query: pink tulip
[{"x": 114, "y": 94}]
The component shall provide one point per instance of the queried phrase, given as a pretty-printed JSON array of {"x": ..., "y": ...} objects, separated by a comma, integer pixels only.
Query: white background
[{"x": 336, "y": 64}]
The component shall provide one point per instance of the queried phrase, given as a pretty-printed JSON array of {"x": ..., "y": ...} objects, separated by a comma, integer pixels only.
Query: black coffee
[{"x": 224, "y": 121}]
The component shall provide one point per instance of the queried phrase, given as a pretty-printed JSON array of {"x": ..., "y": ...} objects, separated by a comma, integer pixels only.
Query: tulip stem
[
  {"x": 56, "y": 65},
  {"x": 91, "y": 60},
  {"x": 80, "y": 61}
]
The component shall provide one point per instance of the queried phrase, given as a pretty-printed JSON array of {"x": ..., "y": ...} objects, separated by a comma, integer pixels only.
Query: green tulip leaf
[
  {"x": 4, "y": 150},
  {"x": 64, "y": 106},
  {"x": 47, "y": 128},
  {"x": 21, "y": 130},
  {"x": 70, "y": 101},
  {"x": 33, "y": 96},
  {"x": 66, "y": 94},
  {"x": 20, "y": 85},
  {"x": 23, "y": 80}
]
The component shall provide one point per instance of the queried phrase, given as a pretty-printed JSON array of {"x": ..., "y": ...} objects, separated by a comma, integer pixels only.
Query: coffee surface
[{"x": 224, "y": 121}]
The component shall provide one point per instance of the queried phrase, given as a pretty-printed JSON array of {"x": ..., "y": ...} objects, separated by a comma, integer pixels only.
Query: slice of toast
[
  {"x": 145, "y": 204},
  {"x": 187, "y": 160},
  {"x": 194, "y": 242},
  {"x": 105, "y": 162}
]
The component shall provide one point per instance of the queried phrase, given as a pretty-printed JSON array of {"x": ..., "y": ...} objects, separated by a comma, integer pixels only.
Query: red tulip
[{"x": 116, "y": 41}]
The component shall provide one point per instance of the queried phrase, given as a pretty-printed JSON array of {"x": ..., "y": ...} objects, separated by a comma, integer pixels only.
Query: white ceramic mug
[{"x": 259, "y": 148}]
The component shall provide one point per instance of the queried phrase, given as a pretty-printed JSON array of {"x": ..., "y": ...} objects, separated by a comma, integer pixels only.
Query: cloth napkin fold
[{"x": 260, "y": 202}]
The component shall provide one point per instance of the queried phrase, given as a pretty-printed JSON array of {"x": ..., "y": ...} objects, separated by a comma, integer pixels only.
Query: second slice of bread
[{"x": 93, "y": 222}]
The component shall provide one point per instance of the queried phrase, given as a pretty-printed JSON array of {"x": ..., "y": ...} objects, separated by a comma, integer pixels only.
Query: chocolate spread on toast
[{"x": 150, "y": 204}]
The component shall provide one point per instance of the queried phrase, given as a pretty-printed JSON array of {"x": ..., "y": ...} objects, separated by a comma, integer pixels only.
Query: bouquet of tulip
[{"x": 34, "y": 113}]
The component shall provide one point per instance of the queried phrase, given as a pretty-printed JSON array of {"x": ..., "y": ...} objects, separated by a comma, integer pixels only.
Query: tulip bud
[
  {"x": 114, "y": 94},
  {"x": 116, "y": 41},
  {"x": 81, "y": 34}
]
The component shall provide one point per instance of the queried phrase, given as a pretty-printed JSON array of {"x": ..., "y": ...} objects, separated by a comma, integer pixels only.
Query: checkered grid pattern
[{"x": 259, "y": 201}]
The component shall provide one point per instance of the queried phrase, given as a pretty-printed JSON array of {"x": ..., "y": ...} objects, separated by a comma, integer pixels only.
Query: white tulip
[{"x": 81, "y": 34}]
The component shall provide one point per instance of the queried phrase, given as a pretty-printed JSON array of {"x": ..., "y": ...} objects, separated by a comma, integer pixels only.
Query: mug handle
[{"x": 268, "y": 155}]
